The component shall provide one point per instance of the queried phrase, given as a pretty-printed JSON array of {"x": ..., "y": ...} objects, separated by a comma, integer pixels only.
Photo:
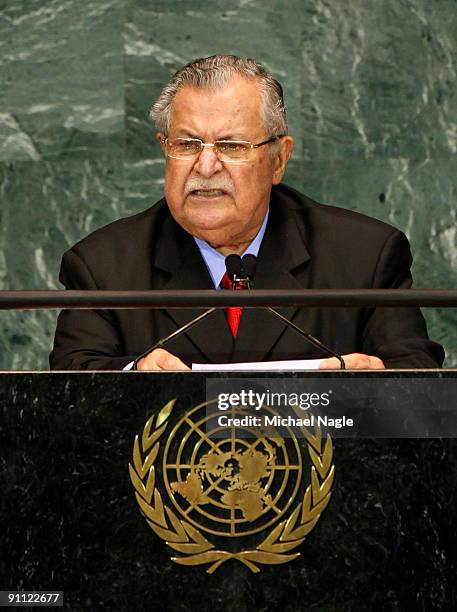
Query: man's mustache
[{"x": 225, "y": 185}]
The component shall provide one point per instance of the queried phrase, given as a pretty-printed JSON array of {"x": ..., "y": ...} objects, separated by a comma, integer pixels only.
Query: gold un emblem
[{"x": 229, "y": 497}]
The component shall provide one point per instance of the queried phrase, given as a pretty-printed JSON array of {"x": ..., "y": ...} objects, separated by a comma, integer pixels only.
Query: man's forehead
[
  {"x": 236, "y": 89},
  {"x": 237, "y": 98}
]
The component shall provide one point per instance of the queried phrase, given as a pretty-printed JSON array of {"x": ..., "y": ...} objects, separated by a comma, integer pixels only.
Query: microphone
[{"x": 242, "y": 270}]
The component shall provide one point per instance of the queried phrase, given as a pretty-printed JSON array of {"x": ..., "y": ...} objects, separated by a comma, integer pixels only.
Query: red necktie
[{"x": 233, "y": 312}]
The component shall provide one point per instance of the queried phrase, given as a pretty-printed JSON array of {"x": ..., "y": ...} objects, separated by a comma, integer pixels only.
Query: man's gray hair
[{"x": 216, "y": 71}]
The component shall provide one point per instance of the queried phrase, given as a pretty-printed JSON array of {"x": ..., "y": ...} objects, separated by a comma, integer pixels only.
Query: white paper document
[{"x": 259, "y": 366}]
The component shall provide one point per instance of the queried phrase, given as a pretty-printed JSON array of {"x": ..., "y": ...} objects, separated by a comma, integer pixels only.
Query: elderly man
[{"x": 222, "y": 127}]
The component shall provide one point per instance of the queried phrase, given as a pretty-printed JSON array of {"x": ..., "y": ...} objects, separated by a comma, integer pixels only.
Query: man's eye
[
  {"x": 187, "y": 145},
  {"x": 232, "y": 147}
]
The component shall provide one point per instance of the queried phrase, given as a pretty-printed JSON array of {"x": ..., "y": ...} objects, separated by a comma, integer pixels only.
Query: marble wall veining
[{"x": 371, "y": 94}]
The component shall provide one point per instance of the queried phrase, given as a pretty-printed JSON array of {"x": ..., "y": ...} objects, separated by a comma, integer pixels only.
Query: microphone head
[
  {"x": 249, "y": 266},
  {"x": 233, "y": 265}
]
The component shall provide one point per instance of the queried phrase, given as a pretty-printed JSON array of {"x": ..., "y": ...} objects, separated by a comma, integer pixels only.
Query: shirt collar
[{"x": 215, "y": 261}]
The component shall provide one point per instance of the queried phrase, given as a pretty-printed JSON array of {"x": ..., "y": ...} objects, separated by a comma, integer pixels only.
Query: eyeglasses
[{"x": 230, "y": 151}]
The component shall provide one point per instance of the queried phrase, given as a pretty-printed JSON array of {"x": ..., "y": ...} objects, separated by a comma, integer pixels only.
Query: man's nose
[{"x": 208, "y": 162}]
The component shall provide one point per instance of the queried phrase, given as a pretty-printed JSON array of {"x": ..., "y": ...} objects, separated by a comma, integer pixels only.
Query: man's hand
[
  {"x": 159, "y": 360},
  {"x": 354, "y": 361}
]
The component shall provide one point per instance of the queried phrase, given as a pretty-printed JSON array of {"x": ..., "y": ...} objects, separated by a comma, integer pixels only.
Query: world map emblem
[{"x": 216, "y": 495}]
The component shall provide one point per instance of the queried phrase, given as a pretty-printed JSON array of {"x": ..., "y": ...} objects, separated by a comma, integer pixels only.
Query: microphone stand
[
  {"x": 317, "y": 343},
  {"x": 178, "y": 332},
  {"x": 241, "y": 272},
  {"x": 246, "y": 283}
]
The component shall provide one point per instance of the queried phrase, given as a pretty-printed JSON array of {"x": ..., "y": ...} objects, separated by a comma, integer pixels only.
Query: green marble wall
[{"x": 371, "y": 92}]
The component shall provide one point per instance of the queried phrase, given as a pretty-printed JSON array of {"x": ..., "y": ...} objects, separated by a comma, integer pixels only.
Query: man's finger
[
  {"x": 354, "y": 361},
  {"x": 330, "y": 364},
  {"x": 159, "y": 360}
]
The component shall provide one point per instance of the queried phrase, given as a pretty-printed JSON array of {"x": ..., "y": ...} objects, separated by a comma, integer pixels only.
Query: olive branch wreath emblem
[{"x": 182, "y": 537}]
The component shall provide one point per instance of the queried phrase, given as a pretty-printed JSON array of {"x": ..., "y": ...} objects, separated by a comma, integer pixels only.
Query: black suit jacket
[{"x": 306, "y": 245}]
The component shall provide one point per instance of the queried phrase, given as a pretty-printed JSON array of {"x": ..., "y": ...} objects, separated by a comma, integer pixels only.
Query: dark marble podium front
[{"x": 69, "y": 519}]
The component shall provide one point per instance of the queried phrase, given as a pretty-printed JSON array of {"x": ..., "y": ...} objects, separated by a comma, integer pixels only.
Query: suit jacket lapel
[
  {"x": 179, "y": 256},
  {"x": 282, "y": 253}
]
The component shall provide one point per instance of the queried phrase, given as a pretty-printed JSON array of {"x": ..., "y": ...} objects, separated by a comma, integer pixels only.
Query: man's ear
[
  {"x": 160, "y": 137},
  {"x": 283, "y": 153}
]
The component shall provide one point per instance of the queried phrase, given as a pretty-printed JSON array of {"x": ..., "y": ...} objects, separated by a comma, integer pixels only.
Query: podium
[{"x": 71, "y": 521}]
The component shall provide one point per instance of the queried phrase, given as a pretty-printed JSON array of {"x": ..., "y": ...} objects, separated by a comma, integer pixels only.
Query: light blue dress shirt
[{"x": 215, "y": 261}]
